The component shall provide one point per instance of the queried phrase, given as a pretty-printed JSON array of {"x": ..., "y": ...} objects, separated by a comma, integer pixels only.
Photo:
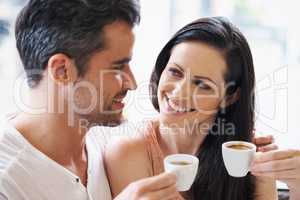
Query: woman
[{"x": 202, "y": 85}]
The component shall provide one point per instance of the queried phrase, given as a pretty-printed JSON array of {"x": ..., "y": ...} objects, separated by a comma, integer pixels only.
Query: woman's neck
[{"x": 181, "y": 140}]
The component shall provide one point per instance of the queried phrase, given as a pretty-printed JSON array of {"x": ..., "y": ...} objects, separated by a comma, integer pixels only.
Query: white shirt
[{"x": 28, "y": 174}]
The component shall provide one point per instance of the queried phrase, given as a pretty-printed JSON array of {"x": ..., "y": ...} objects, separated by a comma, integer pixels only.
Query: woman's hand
[{"x": 283, "y": 165}]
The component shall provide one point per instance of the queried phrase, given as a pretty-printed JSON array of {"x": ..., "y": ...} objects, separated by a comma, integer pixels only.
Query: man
[{"x": 76, "y": 56}]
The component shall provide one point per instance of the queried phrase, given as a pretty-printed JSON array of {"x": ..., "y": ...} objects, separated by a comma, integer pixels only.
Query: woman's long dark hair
[{"x": 212, "y": 181}]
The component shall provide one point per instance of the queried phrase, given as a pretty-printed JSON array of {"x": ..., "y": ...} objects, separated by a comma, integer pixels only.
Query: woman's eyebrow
[
  {"x": 196, "y": 76},
  {"x": 177, "y": 65},
  {"x": 205, "y": 78}
]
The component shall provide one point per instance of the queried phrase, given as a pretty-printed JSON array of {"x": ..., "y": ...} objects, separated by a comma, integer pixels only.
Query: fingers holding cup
[
  {"x": 265, "y": 143},
  {"x": 282, "y": 165}
]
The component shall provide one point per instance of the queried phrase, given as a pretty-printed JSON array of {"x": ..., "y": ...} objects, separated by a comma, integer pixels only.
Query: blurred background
[{"x": 271, "y": 27}]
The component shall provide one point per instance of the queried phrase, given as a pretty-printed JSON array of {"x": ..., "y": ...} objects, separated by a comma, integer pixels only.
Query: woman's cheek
[{"x": 207, "y": 105}]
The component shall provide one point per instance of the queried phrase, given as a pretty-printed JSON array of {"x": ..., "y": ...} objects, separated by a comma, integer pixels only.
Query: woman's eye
[
  {"x": 175, "y": 72},
  {"x": 202, "y": 85}
]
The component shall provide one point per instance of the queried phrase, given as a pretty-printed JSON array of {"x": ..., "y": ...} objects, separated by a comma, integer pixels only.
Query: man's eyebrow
[{"x": 122, "y": 61}]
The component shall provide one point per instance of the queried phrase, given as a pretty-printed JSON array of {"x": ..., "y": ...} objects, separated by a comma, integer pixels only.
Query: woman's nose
[{"x": 182, "y": 91}]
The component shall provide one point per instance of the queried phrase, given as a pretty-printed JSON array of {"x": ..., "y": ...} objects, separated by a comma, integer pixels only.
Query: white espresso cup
[
  {"x": 185, "y": 167},
  {"x": 238, "y": 157}
]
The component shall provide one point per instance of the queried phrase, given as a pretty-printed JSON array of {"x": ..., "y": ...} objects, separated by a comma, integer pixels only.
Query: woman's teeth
[{"x": 178, "y": 108}]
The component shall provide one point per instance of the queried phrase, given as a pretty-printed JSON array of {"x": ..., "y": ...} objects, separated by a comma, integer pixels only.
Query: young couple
[{"x": 76, "y": 57}]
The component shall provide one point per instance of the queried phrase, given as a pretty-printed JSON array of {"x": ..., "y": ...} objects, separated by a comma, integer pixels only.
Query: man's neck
[{"x": 51, "y": 135}]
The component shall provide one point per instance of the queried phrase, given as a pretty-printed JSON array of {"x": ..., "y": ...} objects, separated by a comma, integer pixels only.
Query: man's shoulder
[
  {"x": 8, "y": 157},
  {"x": 11, "y": 147},
  {"x": 9, "y": 161},
  {"x": 11, "y": 150}
]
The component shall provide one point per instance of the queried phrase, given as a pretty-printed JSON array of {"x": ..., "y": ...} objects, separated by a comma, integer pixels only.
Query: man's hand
[
  {"x": 265, "y": 143},
  {"x": 161, "y": 187},
  {"x": 283, "y": 165},
  {"x": 265, "y": 186}
]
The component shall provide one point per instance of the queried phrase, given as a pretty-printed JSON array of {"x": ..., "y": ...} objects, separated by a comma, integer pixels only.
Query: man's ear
[
  {"x": 231, "y": 99},
  {"x": 62, "y": 69}
]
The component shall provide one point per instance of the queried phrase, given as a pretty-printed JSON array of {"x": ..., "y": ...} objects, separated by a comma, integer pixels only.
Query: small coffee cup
[
  {"x": 185, "y": 167},
  {"x": 237, "y": 157}
]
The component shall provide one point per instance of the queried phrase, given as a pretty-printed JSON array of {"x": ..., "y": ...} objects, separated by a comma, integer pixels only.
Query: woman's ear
[
  {"x": 231, "y": 99},
  {"x": 62, "y": 69}
]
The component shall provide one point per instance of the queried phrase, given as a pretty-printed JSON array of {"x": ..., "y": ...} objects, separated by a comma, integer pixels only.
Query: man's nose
[{"x": 129, "y": 81}]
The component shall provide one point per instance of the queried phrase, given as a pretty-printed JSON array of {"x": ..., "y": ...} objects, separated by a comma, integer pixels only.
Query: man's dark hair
[{"x": 71, "y": 27}]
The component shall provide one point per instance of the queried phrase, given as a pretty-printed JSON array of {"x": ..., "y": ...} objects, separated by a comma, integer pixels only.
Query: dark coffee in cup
[
  {"x": 239, "y": 147},
  {"x": 180, "y": 163}
]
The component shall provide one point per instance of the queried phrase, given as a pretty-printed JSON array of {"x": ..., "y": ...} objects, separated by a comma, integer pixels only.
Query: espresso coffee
[
  {"x": 237, "y": 157},
  {"x": 185, "y": 167},
  {"x": 239, "y": 147},
  {"x": 180, "y": 163}
]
